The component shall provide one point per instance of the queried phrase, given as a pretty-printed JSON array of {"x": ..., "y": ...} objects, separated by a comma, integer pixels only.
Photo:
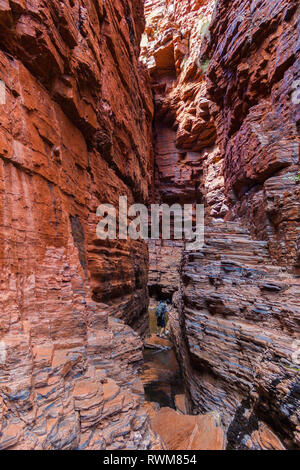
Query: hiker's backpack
[{"x": 160, "y": 310}]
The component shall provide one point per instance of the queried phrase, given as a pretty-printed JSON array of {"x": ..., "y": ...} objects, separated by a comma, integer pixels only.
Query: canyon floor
[{"x": 166, "y": 401}]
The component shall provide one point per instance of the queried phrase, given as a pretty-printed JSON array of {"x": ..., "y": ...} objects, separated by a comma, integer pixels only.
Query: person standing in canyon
[{"x": 160, "y": 313}]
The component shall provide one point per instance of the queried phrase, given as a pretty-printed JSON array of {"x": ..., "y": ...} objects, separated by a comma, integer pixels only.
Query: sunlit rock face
[
  {"x": 75, "y": 131},
  {"x": 226, "y": 82},
  {"x": 182, "y": 432}
]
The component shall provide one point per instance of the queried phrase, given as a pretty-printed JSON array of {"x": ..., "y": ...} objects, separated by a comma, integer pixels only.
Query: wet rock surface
[{"x": 161, "y": 373}]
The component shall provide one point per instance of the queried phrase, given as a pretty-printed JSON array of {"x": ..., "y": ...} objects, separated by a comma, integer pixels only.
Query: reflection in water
[
  {"x": 161, "y": 374},
  {"x": 162, "y": 377}
]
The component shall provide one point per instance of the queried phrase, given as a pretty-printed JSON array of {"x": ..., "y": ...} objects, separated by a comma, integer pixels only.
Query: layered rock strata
[
  {"x": 188, "y": 164},
  {"x": 240, "y": 318},
  {"x": 75, "y": 132},
  {"x": 226, "y": 82},
  {"x": 164, "y": 277},
  {"x": 254, "y": 81}
]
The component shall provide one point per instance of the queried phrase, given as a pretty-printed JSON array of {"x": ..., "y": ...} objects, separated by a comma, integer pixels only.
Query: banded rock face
[
  {"x": 188, "y": 165},
  {"x": 240, "y": 318},
  {"x": 164, "y": 273},
  {"x": 75, "y": 131},
  {"x": 239, "y": 309},
  {"x": 253, "y": 79},
  {"x": 185, "y": 150},
  {"x": 225, "y": 78}
]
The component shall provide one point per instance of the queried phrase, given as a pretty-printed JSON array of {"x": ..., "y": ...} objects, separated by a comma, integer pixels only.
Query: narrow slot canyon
[{"x": 161, "y": 102}]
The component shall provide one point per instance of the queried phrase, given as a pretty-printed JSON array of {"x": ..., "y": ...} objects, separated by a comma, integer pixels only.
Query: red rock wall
[
  {"x": 239, "y": 310},
  {"x": 238, "y": 335},
  {"x": 75, "y": 132},
  {"x": 253, "y": 79},
  {"x": 188, "y": 165},
  {"x": 185, "y": 133},
  {"x": 227, "y": 119}
]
